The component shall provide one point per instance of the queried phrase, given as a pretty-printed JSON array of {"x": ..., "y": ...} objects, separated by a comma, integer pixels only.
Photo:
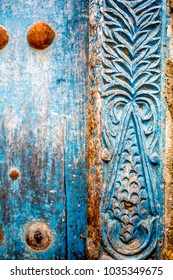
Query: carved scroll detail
[{"x": 131, "y": 83}]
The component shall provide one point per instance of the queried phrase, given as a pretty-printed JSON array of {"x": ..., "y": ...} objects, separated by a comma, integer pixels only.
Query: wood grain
[{"x": 43, "y": 121}]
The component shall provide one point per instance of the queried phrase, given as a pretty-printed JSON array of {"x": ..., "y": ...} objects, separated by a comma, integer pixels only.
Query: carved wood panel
[{"x": 129, "y": 38}]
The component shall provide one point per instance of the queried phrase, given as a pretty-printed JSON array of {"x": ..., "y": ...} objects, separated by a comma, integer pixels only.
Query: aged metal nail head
[
  {"x": 14, "y": 174},
  {"x": 4, "y": 38},
  {"x": 38, "y": 236},
  {"x": 40, "y": 35},
  {"x": 1, "y": 235}
]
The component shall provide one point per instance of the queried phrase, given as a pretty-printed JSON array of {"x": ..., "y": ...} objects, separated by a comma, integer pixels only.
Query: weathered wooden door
[
  {"x": 127, "y": 62},
  {"x": 45, "y": 165},
  {"x": 43, "y": 138}
]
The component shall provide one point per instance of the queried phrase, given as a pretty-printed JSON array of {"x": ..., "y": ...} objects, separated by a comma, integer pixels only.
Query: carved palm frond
[{"x": 131, "y": 46}]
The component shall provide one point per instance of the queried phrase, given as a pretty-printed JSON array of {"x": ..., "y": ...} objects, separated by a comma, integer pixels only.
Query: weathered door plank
[{"x": 39, "y": 89}]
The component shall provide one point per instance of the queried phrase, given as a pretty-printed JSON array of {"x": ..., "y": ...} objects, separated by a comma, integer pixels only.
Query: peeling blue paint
[{"x": 43, "y": 111}]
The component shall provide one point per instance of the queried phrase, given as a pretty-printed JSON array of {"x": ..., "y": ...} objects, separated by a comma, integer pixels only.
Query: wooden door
[
  {"x": 43, "y": 138},
  {"x": 44, "y": 129},
  {"x": 127, "y": 56}
]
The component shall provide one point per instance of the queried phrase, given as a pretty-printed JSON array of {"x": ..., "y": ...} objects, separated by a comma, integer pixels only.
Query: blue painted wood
[
  {"x": 132, "y": 36},
  {"x": 43, "y": 128}
]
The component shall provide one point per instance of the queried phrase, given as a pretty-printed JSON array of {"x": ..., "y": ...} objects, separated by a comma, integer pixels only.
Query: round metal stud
[
  {"x": 14, "y": 174},
  {"x": 1, "y": 235},
  {"x": 3, "y": 37},
  {"x": 38, "y": 236},
  {"x": 40, "y": 35}
]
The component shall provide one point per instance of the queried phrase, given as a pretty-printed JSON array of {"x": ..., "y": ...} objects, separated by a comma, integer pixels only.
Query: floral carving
[{"x": 131, "y": 83}]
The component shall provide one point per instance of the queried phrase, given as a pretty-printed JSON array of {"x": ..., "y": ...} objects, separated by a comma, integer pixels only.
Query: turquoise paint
[
  {"x": 133, "y": 39},
  {"x": 43, "y": 109}
]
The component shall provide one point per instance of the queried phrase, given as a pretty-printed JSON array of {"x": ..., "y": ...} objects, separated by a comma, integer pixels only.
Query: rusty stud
[
  {"x": 3, "y": 37},
  {"x": 14, "y": 174},
  {"x": 40, "y": 35},
  {"x": 38, "y": 236},
  {"x": 1, "y": 235}
]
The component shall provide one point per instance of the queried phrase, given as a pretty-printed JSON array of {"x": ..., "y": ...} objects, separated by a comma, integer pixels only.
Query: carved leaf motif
[{"x": 131, "y": 45}]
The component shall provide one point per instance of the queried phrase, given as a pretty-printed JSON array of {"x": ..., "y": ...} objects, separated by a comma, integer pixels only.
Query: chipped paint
[
  {"x": 44, "y": 130},
  {"x": 111, "y": 56}
]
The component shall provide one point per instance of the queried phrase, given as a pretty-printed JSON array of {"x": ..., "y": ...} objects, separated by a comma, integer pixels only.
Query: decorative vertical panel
[{"x": 130, "y": 33}]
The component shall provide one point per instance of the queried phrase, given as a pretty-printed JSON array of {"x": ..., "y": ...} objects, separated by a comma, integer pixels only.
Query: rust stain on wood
[
  {"x": 128, "y": 204},
  {"x": 95, "y": 163}
]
